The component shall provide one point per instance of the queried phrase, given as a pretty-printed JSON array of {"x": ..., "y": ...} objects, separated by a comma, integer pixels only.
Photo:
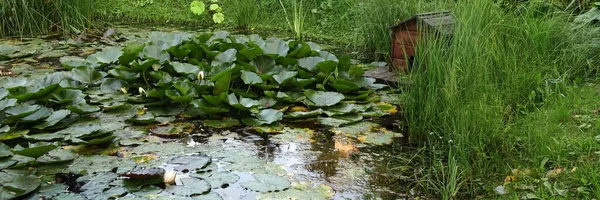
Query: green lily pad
[
  {"x": 16, "y": 183},
  {"x": 251, "y": 78},
  {"x": 346, "y": 108},
  {"x": 70, "y": 62},
  {"x": 327, "y": 66},
  {"x": 124, "y": 74},
  {"x": 320, "y": 98},
  {"x": 4, "y": 129},
  {"x": 3, "y": 93},
  {"x": 109, "y": 55},
  {"x": 310, "y": 63},
  {"x": 228, "y": 56},
  {"x": 113, "y": 85},
  {"x": 5, "y": 151},
  {"x": 22, "y": 110},
  {"x": 267, "y": 182},
  {"x": 156, "y": 53},
  {"x": 284, "y": 76},
  {"x": 337, "y": 121},
  {"x": 225, "y": 123},
  {"x": 83, "y": 108},
  {"x": 276, "y": 47},
  {"x": 34, "y": 150},
  {"x": 185, "y": 68},
  {"x": 40, "y": 114},
  {"x": 86, "y": 75},
  {"x": 7, "y": 103},
  {"x": 53, "y": 119},
  {"x": 301, "y": 191},
  {"x": 368, "y": 132},
  {"x": 190, "y": 162},
  {"x": 218, "y": 179},
  {"x": 268, "y": 116},
  {"x": 190, "y": 186},
  {"x": 13, "y": 134},
  {"x": 57, "y": 156},
  {"x": 299, "y": 115}
]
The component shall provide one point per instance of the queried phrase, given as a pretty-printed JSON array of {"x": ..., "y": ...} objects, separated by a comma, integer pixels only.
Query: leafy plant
[
  {"x": 299, "y": 15},
  {"x": 198, "y": 7}
]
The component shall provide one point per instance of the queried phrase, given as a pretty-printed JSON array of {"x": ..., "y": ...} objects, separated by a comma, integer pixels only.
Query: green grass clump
[
  {"x": 498, "y": 67},
  {"x": 21, "y": 18}
]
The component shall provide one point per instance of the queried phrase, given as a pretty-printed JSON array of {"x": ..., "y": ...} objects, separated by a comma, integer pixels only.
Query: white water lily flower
[
  {"x": 200, "y": 75},
  {"x": 124, "y": 90},
  {"x": 142, "y": 91}
]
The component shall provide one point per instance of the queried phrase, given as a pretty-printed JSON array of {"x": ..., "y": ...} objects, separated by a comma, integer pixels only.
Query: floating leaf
[
  {"x": 34, "y": 150},
  {"x": 71, "y": 62},
  {"x": 268, "y": 116},
  {"x": 190, "y": 162},
  {"x": 22, "y": 110},
  {"x": 320, "y": 98},
  {"x": 310, "y": 63},
  {"x": 225, "y": 57},
  {"x": 112, "y": 85},
  {"x": 83, "y": 108},
  {"x": 185, "y": 68},
  {"x": 276, "y": 47},
  {"x": 53, "y": 119},
  {"x": 250, "y": 78},
  {"x": 40, "y": 114},
  {"x": 16, "y": 183},
  {"x": 284, "y": 76},
  {"x": 219, "y": 179},
  {"x": 124, "y": 74},
  {"x": 267, "y": 182},
  {"x": 308, "y": 114},
  {"x": 86, "y": 75},
  {"x": 57, "y": 156},
  {"x": 189, "y": 187},
  {"x": 109, "y": 55},
  {"x": 7, "y": 103}
]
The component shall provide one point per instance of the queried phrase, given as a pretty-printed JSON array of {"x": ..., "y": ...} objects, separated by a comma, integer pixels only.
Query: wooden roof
[{"x": 442, "y": 22}]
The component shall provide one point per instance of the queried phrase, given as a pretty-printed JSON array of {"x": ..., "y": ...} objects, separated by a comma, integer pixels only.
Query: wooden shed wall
[{"x": 405, "y": 37}]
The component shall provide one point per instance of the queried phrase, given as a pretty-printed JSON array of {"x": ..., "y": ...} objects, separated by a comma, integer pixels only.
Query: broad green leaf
[
  {"x": 71, "y": 84},
  {"x": 263, "y": 64},
  {"x": 250, "y": 78},
  {"x": 10, "y": 83},
  {"x": 57, "y": 156},
  {"x": 3, "y": 93},
  {"x": 5, "y": 151},
  {"x": 327, "y": 67},
  {"x": 16, "y": 183},
  {"x": 86, "y": 75},
  {"x": 215, "y": 100},
  {"x": 223, "y": 82},
  {"x": 53, "y": 119},
  {"x": 267, "y": 182},
  {"x": 310, "y": 63},
  {"x": 302, "y": 50},
  {"x": 22, "y": 110},
  {"x": 208, "y": 108},
  {"x": 368, "y": 132},
  {"x": 113, "y": 85},
  {"x": 268, "y": 116},
  {"x": 276, "y": 47},
  {"x": 12, "y": 134},
  {"x": 124, "y": 74},
  {"x": 6, "y": 50},
  {"x": 337, "y": 121},
  {"x": 320, "y": 98},
  {"x": 189, "y": 187},
  {"x": 130, "y": 53},
  {"x": 109, "y": 55},
  {"x": 218, "y": 17},
  {"x": 83, "y": 108},
  {"x": 344, "y": 86},
  {"x": 284, "y": 76},
  {"x": 185, "y": 68},
  {"x": 67, "y": 96},
  {"x": 299, "y": 115},
  {"x": 197, "y": 7},
  {"x": 175, "y": 95},
  {"x": 228, "y": 56},
  {"x": 70, "y": 62},
  {"x": 7, "y": 103},
  {"x": 180, "y": 52},
  {"x": 252, "y": 51},
  {"x": 328, "y": 56},
  {"x": 218, "y": 179},
  {"x": 156, "y": 53},
  {"x": 35, "y": 150},
  {"x": 40, "y": 114}
]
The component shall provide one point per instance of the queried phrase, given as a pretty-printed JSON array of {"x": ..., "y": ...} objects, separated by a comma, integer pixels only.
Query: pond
[{"x": 76, "y": 124}]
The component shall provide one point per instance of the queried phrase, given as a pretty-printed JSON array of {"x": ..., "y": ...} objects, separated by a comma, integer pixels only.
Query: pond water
[{"x": 299, "y": 160}]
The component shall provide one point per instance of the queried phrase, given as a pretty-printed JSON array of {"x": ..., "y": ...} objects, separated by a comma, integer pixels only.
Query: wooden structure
[{"x": 407, "y": 33}]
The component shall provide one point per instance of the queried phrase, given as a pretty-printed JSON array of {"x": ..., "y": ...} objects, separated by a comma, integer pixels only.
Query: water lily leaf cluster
[
  {"x": 222, "y": 74},
  {"x": 199, "y": 7}
]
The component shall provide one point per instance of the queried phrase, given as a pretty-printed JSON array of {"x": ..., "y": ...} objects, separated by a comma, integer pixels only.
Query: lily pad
[
  {"x": 40, "y": 114},
  {"x": 225, "y": 57},
  {"x": 320, "y": 98},
  {"x": 53, "y": 119},
  {"x": 219, "y": 179},
  {"x": 7, "y": 103},
  {"x": 57, "y": 156},
  {"x": 109, "y": 55},
  {"x": 251, "y": 78},
  {"x": 368, "y": 132},
  {"x": 71, "y": 62},
  {"x": 185, "y": 68},
  {"x": 16, "y": 183},
  {"x": 301, "y": 191},
  {"x": 22, "y": 110},
  {"x": 190, "y": 162},
  {"x": 34, "y": 150},
  {"x": 276, "y": 47},
  {"x": 267, "y": 182},
  {"x": 310, "y": 63},
  {"x": 86, "y": 75},
  {"x": 190, "y": 186},
  {"x": 83, "y": 108}
]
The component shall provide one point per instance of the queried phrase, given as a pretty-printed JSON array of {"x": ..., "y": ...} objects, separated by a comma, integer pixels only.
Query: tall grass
[
  {"x": 495, "y": 68},
  {"x": 245, "y": 13},
  {"x": 26, "y": 17}
]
